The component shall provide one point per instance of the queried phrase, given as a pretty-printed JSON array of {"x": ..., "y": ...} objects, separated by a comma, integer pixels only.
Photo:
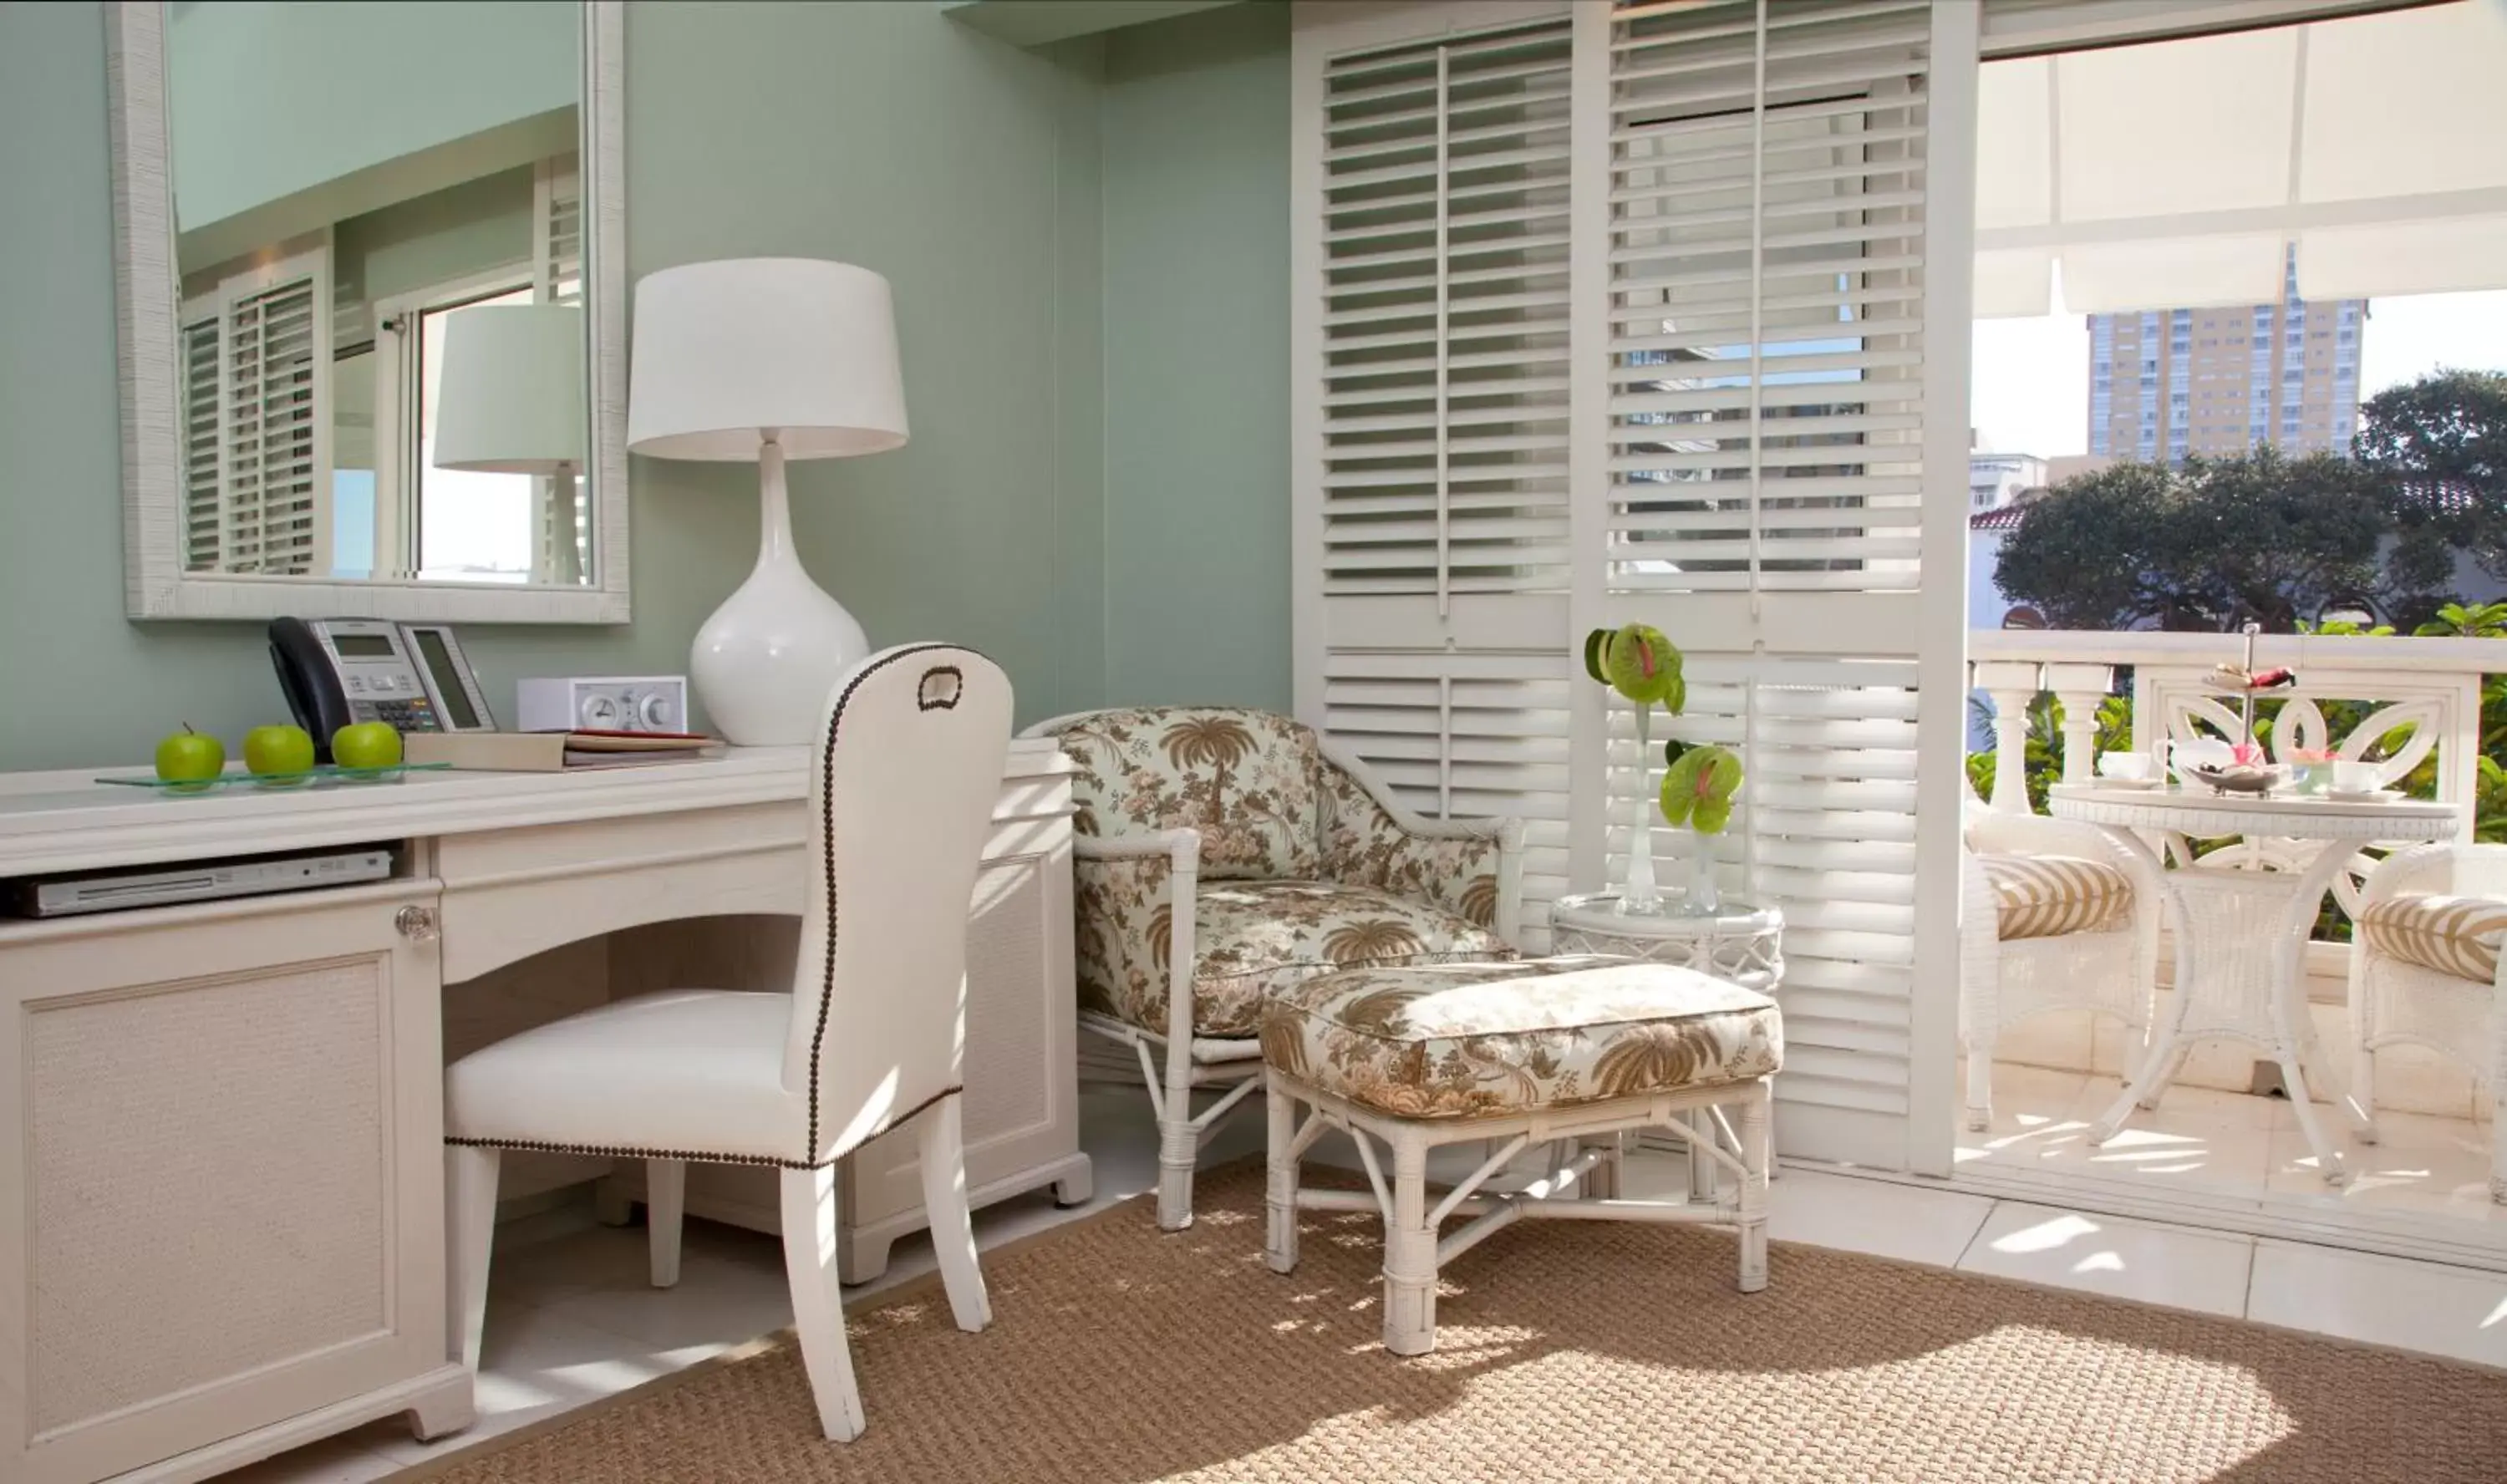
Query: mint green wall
[
  {"x": 389, "y": 77},
  {"x": 1095, "y": 346},
  {"x": 1196, "y": 113}
]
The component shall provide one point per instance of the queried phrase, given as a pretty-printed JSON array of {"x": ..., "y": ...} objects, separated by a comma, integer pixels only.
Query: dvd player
[{"x": 199, "y": 881}]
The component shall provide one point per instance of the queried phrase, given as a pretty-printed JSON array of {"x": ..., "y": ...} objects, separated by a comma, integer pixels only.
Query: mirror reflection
[{"x": 379, "y": 216}]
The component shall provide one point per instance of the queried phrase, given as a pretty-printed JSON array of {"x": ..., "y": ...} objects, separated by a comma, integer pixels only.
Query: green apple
[
  {"x": 188, "y": 757},
  {"x": 365, "y": 744},
  {"x": 270, "y": 752},
  {"x": 1699, "y": 790}
]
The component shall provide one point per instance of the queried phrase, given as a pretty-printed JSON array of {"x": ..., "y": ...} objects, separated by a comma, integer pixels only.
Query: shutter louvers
[
  {"x": 1444, "y": 323},
  {"x": 1766, "y": 319},
  {"x": 202, "y": 419},
  {"x": 557, "y": 233},
  {"x": 1765, "y": 487},
  {"x": 1467, "y": 737},
  {"x": 1678, "y": 245},
  {"x": 257, "y": 430}
]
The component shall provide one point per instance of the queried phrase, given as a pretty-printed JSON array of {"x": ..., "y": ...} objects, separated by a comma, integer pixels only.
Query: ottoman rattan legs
[{"x": 1728, "y": 1124}]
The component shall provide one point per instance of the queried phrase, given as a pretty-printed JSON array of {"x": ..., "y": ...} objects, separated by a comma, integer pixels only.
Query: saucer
[
  {"x": 2372, "y": 796},
  {"x": 2106, "y": 783}
]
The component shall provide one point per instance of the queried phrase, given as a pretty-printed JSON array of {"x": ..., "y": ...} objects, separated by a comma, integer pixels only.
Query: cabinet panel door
[
  {"x": 223, "y": 1204},
  {"x": 1021, "y": 1107}
]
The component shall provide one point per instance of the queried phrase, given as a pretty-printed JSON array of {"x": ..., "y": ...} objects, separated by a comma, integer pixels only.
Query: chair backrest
[
  {"x": 904, "y": 777},
  {"x": 1250, "y": 780}
]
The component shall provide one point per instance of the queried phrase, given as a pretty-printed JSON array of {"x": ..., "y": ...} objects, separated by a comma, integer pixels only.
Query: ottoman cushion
[{"x": 1474, "y": 1040}]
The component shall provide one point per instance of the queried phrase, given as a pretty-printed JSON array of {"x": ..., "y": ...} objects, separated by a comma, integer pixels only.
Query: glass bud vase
[
  {"x": 1638, "y": 895},
  {"x": 1704, "y": 898}
]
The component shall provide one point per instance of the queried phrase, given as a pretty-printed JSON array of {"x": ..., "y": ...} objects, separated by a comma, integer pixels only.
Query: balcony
[{"x": 2224, "y": 1133}]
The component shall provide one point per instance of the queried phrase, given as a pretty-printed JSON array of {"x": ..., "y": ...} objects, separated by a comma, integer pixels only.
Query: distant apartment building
[
  {"x": 1995, "y": 479},
  {"x": 2164, "y": 383}
]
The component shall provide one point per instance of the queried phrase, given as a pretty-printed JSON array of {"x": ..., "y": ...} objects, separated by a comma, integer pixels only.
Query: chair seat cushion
[
  {"x": 687, "y": 1072},
  {"x": 1479, "y": 1041},
  {"x": 2047, "y": 896},
  {"x": 1252, "y": 938},
  {"x": 2457, "y": 936}
]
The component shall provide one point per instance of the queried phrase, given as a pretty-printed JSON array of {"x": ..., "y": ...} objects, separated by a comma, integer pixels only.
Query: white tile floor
[
  {"x": 2232, "y": 1143},
  {"x": 572, "y": 1316}
]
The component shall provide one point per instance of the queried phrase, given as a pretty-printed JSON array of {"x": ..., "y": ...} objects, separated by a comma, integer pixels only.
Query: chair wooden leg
[
  {"x": 817, "y": 1299},
  {"x": 1409, "y": 1253},
  {"x": 1280, "y": 1199},
  {"x": 943, "y": 1154},
  {"x": 666, "y": 1208},
  {"x": 1756, "y": 1118},
  {"x": 469, "y": 1235}
]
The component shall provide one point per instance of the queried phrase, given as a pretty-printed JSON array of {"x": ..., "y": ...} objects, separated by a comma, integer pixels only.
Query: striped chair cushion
[
  {"x": 2046, "y": 897},
  {"x": 2456, "y": 935}
]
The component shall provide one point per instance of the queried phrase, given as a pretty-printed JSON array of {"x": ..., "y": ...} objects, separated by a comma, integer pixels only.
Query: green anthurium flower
[
  {"x": 1597, "y": 646},
  {"x": 1699, "y": 790},
  {"x": 1641, "y": 665}
]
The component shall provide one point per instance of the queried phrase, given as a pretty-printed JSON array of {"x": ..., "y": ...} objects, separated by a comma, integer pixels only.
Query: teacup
[
  {"x": 2354, "y": 777},
  {"x": 2125, "y": 767}
]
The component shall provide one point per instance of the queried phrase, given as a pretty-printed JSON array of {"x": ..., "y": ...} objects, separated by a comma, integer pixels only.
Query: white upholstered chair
[
  {"x": 1225, "y": 853},
  {"x": 2058, "y": 916},
  {"x": 2426, "y": 971},
  {"x": 906, "y": 771}
]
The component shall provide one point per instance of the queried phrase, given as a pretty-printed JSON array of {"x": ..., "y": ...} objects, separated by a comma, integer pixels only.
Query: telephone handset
[{"x": 339, "y": 670}]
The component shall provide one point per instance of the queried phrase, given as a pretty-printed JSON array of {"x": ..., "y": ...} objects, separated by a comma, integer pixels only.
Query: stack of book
[{"x": 556, "y": 751}]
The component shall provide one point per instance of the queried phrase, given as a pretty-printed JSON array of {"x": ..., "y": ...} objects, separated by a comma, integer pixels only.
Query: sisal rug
[{"x": 1569, "y": 1352}]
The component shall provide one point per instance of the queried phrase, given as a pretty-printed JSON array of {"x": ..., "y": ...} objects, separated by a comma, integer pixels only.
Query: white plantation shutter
[
  {"x": 1737, "y": 199},
  {"x": 257, "y": 424},
  {"x": 556, "y": 277},
  {"x": 556, "y": 230}
]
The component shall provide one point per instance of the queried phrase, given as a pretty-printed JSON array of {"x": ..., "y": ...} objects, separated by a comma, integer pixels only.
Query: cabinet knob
[{"x": 417, "y": 924}]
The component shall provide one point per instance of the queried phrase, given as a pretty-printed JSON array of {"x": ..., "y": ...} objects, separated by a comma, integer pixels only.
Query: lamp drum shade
[
  {"x": 509, "y": 395},
  {"x": 728, "y": 348}
]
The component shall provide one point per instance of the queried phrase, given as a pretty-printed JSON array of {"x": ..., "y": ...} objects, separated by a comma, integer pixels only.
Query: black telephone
[{"x": 339, "y": 670}]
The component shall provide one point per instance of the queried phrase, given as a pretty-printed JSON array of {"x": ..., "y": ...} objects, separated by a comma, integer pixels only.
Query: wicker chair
[
  {"x": 2058, "y": 916},
  {"x": 2426, "y": 971},
  {"x": 1223, "y": 853}
]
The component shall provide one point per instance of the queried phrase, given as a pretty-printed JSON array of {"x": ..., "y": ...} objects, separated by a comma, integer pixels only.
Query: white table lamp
[
  {"x": 768, "y": 359},
  {"x": 509, "y": 400}
]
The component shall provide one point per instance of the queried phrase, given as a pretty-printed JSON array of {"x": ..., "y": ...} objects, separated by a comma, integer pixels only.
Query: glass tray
[{"x": 328, "y": 776}]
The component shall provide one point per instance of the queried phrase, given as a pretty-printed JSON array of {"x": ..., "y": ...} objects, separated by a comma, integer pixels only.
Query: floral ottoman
[{"x": 1571, "y": 1053}]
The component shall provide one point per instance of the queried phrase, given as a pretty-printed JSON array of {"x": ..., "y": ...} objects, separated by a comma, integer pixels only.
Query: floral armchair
[{"x": 1224, "y": 853}]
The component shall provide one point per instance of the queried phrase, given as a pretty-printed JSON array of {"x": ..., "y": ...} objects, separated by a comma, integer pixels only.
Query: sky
[{"x": 2031, "y": 377}]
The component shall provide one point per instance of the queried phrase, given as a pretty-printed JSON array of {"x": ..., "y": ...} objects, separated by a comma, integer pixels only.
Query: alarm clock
[{"x": 602, "y": 703}]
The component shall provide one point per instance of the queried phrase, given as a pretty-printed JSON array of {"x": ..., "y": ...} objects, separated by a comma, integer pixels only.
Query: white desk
[{"x": 221, "y": 1203}]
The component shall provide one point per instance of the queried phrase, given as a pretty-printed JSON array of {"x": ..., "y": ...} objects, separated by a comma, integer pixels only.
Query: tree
[
  {"x": 2207, "y": 545},
  {"x": 2442, "y": 440}
]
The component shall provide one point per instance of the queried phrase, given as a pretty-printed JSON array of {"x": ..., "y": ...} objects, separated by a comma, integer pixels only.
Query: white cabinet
[
  {"x": 1021, "y": 1068},
  {"x": 224, "y": 1209}
]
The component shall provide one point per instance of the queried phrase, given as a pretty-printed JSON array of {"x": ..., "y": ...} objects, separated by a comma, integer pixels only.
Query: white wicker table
[
  {"x": 1742, "y": 942},
  {"x": 2241, "y": 934}
]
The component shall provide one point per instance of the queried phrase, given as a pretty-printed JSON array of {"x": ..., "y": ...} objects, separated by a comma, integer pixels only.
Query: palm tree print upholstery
[
  {"x": 1250, "y": 939},
  {"x": 1482, "y": 1040},
  {"x": 1301, "y": 872}
]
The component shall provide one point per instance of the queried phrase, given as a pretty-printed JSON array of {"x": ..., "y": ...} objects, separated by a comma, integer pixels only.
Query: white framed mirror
[{"x": 369, "y": 260}]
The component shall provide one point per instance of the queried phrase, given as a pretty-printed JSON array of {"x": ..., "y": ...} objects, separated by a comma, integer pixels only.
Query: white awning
[{"x": 2178, "y": 173}]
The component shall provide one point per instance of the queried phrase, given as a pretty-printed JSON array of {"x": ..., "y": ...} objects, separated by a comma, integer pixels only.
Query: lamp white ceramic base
[{"x": 764, "y": 663}]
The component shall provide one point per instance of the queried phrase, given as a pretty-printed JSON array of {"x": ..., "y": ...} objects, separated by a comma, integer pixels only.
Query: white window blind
[
  {"x": 256, "y": 419},
  {"x": 1621, "y": 313}
]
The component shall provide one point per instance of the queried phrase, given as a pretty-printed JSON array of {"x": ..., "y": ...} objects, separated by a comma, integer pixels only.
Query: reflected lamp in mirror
[
  {"x": 512, "y": 403},
  {"x": 767, "y": 359}
]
